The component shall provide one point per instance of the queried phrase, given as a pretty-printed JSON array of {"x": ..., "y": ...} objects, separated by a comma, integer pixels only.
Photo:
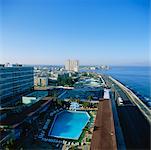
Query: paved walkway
[{"x": 103, "y": 137}]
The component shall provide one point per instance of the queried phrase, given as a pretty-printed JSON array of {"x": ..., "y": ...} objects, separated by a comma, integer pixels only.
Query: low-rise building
[
  {"x": 34, "y": 97},
  {"x": 41, "y": 81}
]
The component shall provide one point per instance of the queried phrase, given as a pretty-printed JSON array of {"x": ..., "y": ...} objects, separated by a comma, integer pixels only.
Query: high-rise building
[
  {"x": 14, "y": 81},
  {"x": 72, "y": 65}
]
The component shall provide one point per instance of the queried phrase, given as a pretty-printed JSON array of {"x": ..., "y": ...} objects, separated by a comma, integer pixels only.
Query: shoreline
[
  {"x": 142, "y": 98},
  {"x": 142, "y": 107},
  {"x": 146, "y": 99}
]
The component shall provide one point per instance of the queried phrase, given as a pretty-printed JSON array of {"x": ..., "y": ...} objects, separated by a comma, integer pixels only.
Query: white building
[
  {"x": 72, "y": 65},
  {"x": 106, "y": 94}
]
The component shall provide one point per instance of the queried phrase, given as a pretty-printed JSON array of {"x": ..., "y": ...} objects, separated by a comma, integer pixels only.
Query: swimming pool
[{"x": 69, "y": 124}]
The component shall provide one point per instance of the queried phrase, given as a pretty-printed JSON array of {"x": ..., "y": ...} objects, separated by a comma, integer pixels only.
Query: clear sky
[{"x": 113, "y": 32}]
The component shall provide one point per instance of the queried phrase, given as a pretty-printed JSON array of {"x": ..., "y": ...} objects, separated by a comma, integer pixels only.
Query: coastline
[
  {"x": 142, "y": 98},
  {"x": 135, "y": 78},
  {"x": 142, "y": 107}
]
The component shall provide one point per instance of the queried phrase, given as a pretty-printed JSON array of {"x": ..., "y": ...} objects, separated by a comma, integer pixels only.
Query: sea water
[{"x": 138, "y": 79}]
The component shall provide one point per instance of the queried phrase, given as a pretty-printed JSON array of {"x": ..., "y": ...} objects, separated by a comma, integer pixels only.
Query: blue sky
[{"x": 113, "y": 32}]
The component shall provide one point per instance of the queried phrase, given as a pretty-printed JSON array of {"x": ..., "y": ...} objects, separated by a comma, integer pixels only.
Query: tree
[
  {"x": 78, "y": 100},
  {"x": 85, "y": 104},
  {"x": 65, "y": 80},
  {"x": 55, "y": 96},
  {"x": 90, "y": 98},
  {"x": 59, "y": 102},
  {"x": 85, "y": 74}
]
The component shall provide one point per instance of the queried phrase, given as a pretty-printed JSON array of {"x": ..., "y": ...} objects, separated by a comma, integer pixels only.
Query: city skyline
[{"x": 94, "y": 32}]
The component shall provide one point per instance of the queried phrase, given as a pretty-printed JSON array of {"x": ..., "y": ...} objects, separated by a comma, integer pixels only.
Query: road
[{"x": 135, "y": 127}]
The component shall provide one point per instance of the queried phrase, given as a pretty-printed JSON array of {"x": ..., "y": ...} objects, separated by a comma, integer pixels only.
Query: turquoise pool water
[{"x": 69, "y": 124}]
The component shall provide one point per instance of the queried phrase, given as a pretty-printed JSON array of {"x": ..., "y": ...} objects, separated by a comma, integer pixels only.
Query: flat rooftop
[
  {"x": 37, "y": 94},
  {"x": 4, "y": 111},
  {"x": 89, "y": 82},
  {"x": 103, "y": 137},
  {"x": 81, "y": 93},
  {"x": 15, "y": 119}
]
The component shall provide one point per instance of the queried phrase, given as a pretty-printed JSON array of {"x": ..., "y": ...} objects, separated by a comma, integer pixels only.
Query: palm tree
[
  {"x": 78, "y": 100},
  {"x": 55, "y": 97},
  {"x": 90, "y": 98}
]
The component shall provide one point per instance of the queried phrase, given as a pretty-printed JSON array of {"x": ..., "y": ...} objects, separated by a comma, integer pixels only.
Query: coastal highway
[
  {"x": 135, "y": 126},
  {"x": 134, "y": 99}
]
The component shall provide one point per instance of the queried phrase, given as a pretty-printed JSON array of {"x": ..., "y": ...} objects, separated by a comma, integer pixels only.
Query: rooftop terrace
[{"x": 104, "y": 133}]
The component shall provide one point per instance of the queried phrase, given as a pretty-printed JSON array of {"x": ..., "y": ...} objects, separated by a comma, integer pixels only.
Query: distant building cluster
[
  {"x": 72, "y": 65},
  {"x": 95, "y": 67},
  {"x": 48, "y": 75}
]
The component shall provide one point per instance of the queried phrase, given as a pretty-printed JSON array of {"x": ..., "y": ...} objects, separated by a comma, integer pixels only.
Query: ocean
[{"x": 138, "y": 79}]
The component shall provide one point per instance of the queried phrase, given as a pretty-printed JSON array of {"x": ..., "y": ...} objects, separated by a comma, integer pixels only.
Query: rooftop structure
[
  {"x": 82, "y": 94},
  {"x": 34, "y": 97},
  {"x": 15, "y": 120},
  {"x": 11, "y": 65},
  {"x": 89, "y": 82},
  {"x": 106, "y": 94},
  {"x": 103, "y": 137}
]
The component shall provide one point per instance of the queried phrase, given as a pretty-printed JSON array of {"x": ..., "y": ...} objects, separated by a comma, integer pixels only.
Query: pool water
[{"x": 69, "y": 124}]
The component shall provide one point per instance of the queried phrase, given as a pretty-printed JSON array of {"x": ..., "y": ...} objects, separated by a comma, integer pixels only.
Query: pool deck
[{"x": 103, "y": 137}]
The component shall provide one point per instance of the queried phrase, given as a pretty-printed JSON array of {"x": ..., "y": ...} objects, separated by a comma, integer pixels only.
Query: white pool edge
[{"x": 49, "y": 133}]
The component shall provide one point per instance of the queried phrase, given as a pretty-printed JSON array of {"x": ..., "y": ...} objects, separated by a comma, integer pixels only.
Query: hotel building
[
  {"x": 72, "y": 65},
  {"x": 15, "y": 81}
]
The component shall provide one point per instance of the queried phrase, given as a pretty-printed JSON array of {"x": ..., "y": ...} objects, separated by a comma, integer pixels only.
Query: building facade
[
  {"x": 72, "y": 65},
  {"x": 14, "y": 81},
  {"x": 41, "y": 81}
]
